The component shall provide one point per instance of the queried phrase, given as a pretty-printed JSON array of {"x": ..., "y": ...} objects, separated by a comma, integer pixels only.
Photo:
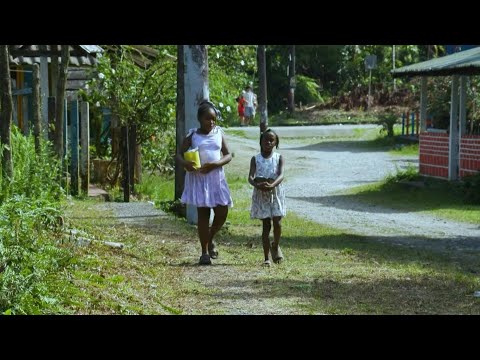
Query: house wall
[
  {"x": 434, "y": 154},
  {"x": 469, "y": 155}
]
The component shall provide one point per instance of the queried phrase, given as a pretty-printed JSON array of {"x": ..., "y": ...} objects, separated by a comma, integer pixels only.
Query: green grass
[
  {"x": 326, "y": 271},
  {"x": 135, "y": 280},
  {"x": 436, "y": 197},
  {"x": 239, "y": 133},
  {"x": 322, "y": 117},
  {"x": 157, "y": 187},
  {"x": 406, "y": 150},
  {"x": 331, "y": 272}
]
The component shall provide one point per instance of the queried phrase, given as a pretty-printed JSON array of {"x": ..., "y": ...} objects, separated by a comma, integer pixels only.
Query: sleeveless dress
[
  {"x": 207, "y": 190},
  {"x": 267, "y": 204}
]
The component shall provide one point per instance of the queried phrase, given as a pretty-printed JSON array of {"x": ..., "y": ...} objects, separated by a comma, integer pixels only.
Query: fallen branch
[{"x": 73, "y": 236}]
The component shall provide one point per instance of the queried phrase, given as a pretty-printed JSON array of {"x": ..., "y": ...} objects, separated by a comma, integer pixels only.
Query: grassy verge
[
  {"x": 157, "y": 187},
  {"x": 328, "y": 271},
  {"x": 134, "y": 280},
  {"x": 432, "y": 196},
  {"x": 322, "y": 117}
]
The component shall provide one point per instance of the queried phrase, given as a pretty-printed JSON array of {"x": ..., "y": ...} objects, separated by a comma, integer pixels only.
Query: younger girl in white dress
[{"x": 268, "y": 199}]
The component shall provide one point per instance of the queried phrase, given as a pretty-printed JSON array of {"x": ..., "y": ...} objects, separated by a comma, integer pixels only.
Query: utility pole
[
  {"x": 262, "y": 96},
  {"x": 394, "y": 79},
  {"x": 291, "y": 80}
]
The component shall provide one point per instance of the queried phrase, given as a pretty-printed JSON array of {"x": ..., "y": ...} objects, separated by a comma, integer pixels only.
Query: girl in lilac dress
[{"x": 206, "y": 187}]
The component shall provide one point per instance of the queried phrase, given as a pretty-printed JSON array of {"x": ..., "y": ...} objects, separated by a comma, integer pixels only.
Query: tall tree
[{"x": 6, "y": 113}]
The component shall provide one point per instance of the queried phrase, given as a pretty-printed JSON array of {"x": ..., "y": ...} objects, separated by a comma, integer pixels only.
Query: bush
[
  {"x": 30, "y": 217},
  {"x": 158, "y": 154},
  {"x": 471, "y": 189},
  {"x": 35, "y": 176},
  {"x": 307, "y": 91},
  {"x": 409, "y": 174},
  {"x": 388, "y": 121}
]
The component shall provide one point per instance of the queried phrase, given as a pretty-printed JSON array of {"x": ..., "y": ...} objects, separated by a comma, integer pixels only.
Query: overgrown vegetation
[
  {"x": 30, "y": 224},
  {"x": 471, "y": 189}
]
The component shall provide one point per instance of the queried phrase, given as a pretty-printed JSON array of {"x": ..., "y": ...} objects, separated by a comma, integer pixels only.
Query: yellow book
[{"x": 193, "y": 155}]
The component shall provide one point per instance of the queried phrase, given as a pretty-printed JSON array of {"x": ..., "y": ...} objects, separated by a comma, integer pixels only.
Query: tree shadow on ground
[
  {"x": 459, "y": 253},
  {"x": 368, "y": 200},
  {"x": 328, "y": 295},
  {"x": 359, "y": 146}
]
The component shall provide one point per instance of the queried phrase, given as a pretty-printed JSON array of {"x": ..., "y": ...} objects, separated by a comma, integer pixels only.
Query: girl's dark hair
[
  {"x": 206, "y": 105},
  {"x": 274, "y": 133}
]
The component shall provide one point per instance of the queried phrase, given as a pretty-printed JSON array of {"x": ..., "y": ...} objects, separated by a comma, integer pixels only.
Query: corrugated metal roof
[
  {"x": 91, "y": 49},
  {"x": 81, "y": 55},
  {"x": 74, "y": 60},
  {"x": 462, "y": 63}
]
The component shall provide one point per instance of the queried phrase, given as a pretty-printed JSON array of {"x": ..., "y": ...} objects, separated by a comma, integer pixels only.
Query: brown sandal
[{"x": 205, "y": 260}]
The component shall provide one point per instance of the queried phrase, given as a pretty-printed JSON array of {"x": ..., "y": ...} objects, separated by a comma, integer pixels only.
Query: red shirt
[{"x": 241, "y": 105}]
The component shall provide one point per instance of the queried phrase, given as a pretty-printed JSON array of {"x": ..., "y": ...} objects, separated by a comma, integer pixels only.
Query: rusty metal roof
[
  {"x": 74, "y": 60},
  {"x": 80, "y": 55},
  {"x": 462, "y": 63}
]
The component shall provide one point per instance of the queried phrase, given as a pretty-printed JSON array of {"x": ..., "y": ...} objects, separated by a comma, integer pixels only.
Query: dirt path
[{"x": 230, "y": 291}]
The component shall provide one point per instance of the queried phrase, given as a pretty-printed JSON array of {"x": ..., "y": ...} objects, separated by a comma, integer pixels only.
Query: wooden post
[
  {"x": 54, "y": 68},
  {"x": 64, "y": 176},
  {"x": 61, "y": 85},
  {"x": 65, "y": 129},
  {"x": 453, "y": 135},
  {"x": 417, "y": 122},
  {"x": 85, "y": 147},
  {"x": 126, "y": 165},
  {"x": 51, "y": 118},
  {"x": 196, "y": 90},
  {"x": 180, "y": 121},
  {"x": 463, "y": 107},
  {"x": 74, "y": 136},
  {"x": 262, "y": 96},
  {"x": 138, "y": 164},
  {"x": 20, "y": 99},
  {"x": 116, "y": 135},
  {"x": 423, "y": 104},
  {"x": 132, "y": 142},
  {"x": 407, "y": 126},
  {"x": 413, "y": 123},
  {"x": 6, "y": 110},
  {"x": 25, "y": 112},
  {"x": 44, "y": 90},
  {"x": 37, "y": 124}
]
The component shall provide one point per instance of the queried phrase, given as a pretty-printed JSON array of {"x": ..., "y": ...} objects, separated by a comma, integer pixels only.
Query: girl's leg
[
  {"x": 277, "y": 230},
  {"x": 277, "y": 254},
  {"x": 221, "y": 213},
  {"x": 267, "y": 226},
  {"x": 203, "y": 227}
]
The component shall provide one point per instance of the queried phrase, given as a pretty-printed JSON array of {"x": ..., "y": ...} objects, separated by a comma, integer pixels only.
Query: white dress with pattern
[{"x": 267, "y": 204}]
